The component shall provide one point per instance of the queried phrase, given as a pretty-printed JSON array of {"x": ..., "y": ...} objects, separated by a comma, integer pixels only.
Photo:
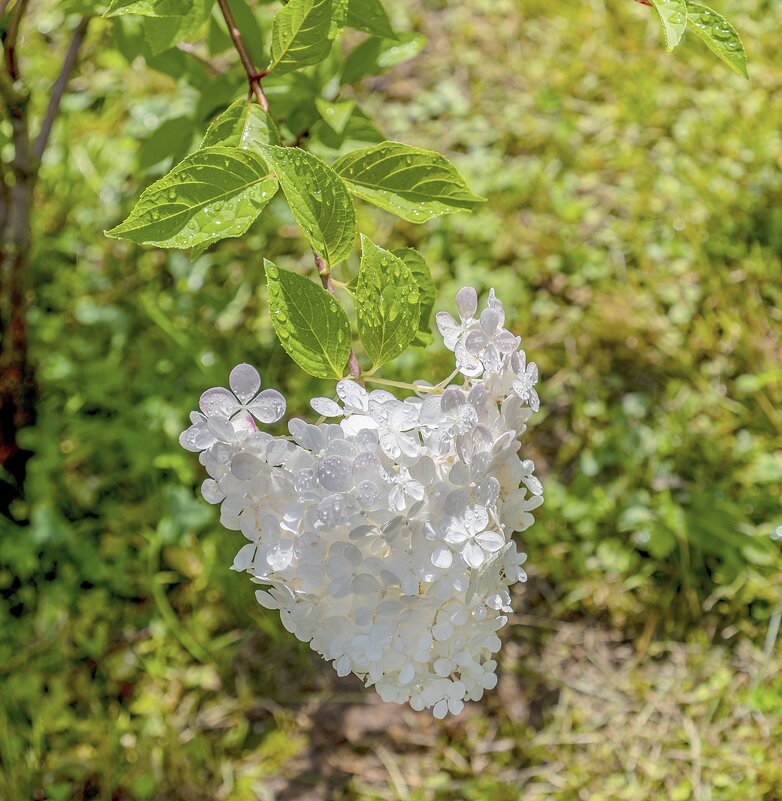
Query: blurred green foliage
[{"x": 634, "y": 230}]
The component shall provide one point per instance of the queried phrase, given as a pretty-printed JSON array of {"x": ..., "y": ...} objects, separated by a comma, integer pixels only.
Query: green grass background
[{"x": 634, "y": 231}]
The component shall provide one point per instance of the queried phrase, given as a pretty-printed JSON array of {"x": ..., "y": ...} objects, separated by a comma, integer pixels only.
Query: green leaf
[
  {"x": 387, "y": 303},
  {"x": 164, "y": 32},
  {"x": 212, "y": 194},
  {"x": 318, "y": 199},
  {"x": 130, "y": 38},
  {"x": 369, "y": 16},
  {"x": 335, "y": 115},
  {"x": 720, "y": 36},
  {"x": 426, "y": 289},
  {"x": 148, "y": 8},
  {"x": 243, "y": 124},
  {"x": 217, "y": 38},
  {"x": 376, "y": 55},
  {"x": 412, "y": 183},
  {"x": 311, "y": 326},
  {"x": 300, "y": 35},
  {"x": 673, "y": 16}
]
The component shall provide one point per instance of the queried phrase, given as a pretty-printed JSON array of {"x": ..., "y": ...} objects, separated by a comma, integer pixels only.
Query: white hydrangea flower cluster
[{"x": 384, "y": 534}]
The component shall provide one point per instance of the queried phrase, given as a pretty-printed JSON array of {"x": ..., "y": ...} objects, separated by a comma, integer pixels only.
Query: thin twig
[
  {"x": 59, "y": 87},
  {"x": 423, "y": 388},
  {"x": 253, "y": 75}
]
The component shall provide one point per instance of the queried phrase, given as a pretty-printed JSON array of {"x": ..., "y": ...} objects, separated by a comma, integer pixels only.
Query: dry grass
[{"x": 580, "y": 713}]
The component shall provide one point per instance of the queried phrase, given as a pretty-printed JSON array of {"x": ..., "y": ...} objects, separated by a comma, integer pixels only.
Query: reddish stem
[{"x": 253, "y": 75}]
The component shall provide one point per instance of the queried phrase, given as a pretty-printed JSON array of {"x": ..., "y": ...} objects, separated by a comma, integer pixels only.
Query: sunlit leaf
[
  {"x": 300, "y": 35},
  {"x": 243, "y": 124},
  {"x": 412, "y": 183},
  {"x": 387, "y": 303},
  {"x": 369, "y": 16},
  {"x": 335, "y": 115},
  {"x": 212, "y": 194},
  {"x": 719, "y": 35},
  {"x": 376, "y": 55},
  {"x": 673, "y": 16},
  {"x": 311, "y": 326},
  {"x": 319, "y": 200},
  {"x": 426, "y": 289},
  {"x": 163, "y": 32},
  {"x": 149, "y": 8}
]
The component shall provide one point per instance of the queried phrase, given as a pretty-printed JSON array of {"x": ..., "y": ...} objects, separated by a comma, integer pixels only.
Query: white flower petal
[
  {"x": 245, "y": 466},
  {"x": 467, "y": 364},
  {"x": 473, "y": 555},
  {"x": 507, "y": 342},
  {"x": 532, "y": 373},
  {"x": 221, "y": 429},
  {"x": 534, "y": 401},
  {"x": 487, "y": 491},
  {"x": 409, "y": 445},
  {"x": 491, "y": 322},
  {"x": 491, "y": 541},
  {"x": 326, "y": 407},
  {"x": 492, "y": 362},
  {"x": 476, "y": 342},
  {"x": 268, "y": 407},
  {"x": 440, "y": 709},
  {"x": 266, "y": 600},
  {"x": 244, "y": 557},
  {"x": 404, "y": 417},
  {"x": 244, "y": 381},
  {"x": 467, "y": 302},
  {"x": 355, "y": 423},
  {"x": 211, "y": 492},
  {"x": 335, "y": 473},
  {"x": 353, "y": 395},
  {"x": 218, "y": 402},
  {"x": 390, "y": 445},
  {"x": 196, "y": 438},
  {"x": 475, "y": 518},
  {"x": 452, "y": 399},
  {"x": 450, "y": 330},
  {"x": 442, "y": 557}
]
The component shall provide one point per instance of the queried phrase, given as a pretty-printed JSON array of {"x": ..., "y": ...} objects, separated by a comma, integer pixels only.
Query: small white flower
[
  {"x": 490, "y": 341},
  {"x": 396, "y": 424},
  {"x": 526, "y": 377},
  {"x": 405, "y": 490},
  {"x": 453, "y": 332},
  {"x": 245, "y": 382}
]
